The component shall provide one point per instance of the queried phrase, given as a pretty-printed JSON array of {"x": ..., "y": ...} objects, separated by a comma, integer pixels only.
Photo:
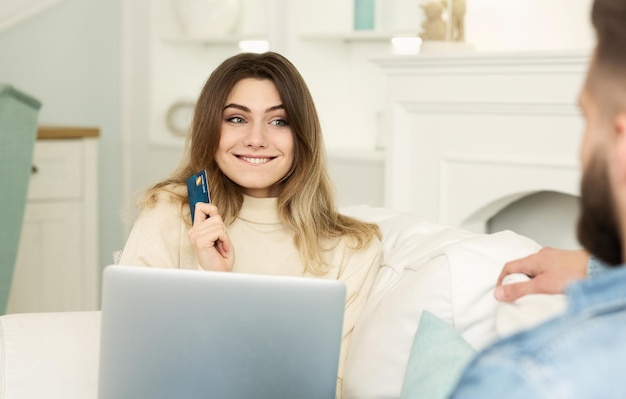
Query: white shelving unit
[
  {"x": 252, "y": 25},
  {"x": 230, "y": 40},
  {"x": 356, "y": 36}
]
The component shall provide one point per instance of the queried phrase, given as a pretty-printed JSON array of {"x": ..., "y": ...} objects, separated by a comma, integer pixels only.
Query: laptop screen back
[{"x": 194, "y": 334}]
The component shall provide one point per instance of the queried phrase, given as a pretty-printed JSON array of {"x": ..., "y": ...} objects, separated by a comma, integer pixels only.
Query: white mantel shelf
[
  {"x": 407, "y": 64},
  {"x": 472, "y": 132}
]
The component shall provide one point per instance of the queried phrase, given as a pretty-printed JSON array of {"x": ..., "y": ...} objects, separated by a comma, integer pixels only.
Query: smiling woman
[{"x": 256, "y": 132}]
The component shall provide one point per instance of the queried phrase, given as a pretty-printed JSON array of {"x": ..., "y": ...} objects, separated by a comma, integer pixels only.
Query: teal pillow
[{"x": 438, "y": 356}]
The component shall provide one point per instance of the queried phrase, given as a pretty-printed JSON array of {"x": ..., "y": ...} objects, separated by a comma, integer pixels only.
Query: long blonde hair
[{"x": 306, "y": 204}]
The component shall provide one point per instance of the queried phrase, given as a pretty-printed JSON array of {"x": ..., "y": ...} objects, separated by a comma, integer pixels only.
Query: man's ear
[{"x": 619, "y": 128}]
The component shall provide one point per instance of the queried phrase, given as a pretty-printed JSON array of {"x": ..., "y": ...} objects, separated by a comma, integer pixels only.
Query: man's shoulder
[
  {"x": 596, "y": 307},
  {"x": 558, "y": 355}
]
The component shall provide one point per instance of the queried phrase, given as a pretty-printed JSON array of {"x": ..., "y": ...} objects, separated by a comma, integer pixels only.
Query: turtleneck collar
[{"x": 259, "y": 210}]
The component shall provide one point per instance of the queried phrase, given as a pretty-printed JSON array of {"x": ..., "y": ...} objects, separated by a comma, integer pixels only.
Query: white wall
[
  {"x": 529, "y": 24},
  {"x": 68, "y": 58}
]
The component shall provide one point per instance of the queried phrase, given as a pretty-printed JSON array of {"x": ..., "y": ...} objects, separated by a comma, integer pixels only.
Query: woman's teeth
[{"x": 256, "y": 160}]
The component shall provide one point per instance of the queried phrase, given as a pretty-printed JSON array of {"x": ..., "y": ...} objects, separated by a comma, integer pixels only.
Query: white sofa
[{"x": 449, "y": 272}]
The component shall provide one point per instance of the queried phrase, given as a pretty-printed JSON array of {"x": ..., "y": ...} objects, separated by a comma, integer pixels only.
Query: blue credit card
[{"x": 198, "y": 191}]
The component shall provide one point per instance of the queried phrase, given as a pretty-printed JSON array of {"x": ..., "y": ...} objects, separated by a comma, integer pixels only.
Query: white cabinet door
[
  {"x": 47, "y": 274},
  {"x": 57, "y": 267}
]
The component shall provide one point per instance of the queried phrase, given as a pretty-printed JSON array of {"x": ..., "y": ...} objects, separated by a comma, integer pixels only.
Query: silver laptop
[{"x": 193, "y": 334}]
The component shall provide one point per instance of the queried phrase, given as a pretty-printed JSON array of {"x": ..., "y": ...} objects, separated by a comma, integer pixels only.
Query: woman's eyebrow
[
  {"x": 274, "y": 108},
  {"x": 246, "y": 109},
  {"x": 237, "y": 106}
]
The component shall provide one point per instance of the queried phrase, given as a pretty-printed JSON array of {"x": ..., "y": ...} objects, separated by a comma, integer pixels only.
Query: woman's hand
[
  {"x": 550, "y": 271},
  {"x": 209, "y": 239}
]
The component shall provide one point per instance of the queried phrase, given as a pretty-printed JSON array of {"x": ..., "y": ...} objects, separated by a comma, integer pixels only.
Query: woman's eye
[
  {"x": 235, "y": 119},
  {"x": 279, "y": 122}
]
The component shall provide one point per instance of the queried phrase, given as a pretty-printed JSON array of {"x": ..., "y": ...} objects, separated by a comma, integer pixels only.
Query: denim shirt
[
  {"x": 580, "y": 354},
  {"x": 595, "y": 267}
]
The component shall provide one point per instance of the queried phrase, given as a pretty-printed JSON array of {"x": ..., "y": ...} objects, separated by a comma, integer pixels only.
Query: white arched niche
[{"x": 547, "y": 217}]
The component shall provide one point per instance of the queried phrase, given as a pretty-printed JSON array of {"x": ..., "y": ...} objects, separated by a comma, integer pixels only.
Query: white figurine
[
  {"x": 457, "y": 21},
  {"x": 434, "y": 27}
]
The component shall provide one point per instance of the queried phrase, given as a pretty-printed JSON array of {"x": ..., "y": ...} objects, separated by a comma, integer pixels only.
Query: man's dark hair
[{"x": 609, "y": 20}]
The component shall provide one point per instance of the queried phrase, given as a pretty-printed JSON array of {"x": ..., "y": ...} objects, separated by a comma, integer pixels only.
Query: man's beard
[{"x": 598, "y": 227}]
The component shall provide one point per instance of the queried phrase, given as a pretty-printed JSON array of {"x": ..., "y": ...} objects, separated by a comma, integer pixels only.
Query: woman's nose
[{"x": 256, "y": 136}]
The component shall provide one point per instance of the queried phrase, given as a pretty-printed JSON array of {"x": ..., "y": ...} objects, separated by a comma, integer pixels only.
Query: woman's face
[{"x": 256, "y": 143}]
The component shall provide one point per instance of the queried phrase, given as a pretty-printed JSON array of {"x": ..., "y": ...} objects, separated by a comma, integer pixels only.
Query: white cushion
[
  {"x": 49, "y": 355},
  {"x": 450, "y": 272},
  {"x": 527, "y": 311}
]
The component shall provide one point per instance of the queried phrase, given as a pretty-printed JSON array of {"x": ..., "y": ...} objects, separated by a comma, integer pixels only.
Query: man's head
[{"x": 602, "y": 224}]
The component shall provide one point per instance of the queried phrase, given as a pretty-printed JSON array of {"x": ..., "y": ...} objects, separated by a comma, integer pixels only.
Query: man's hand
[{"x": 550, "y": 271}]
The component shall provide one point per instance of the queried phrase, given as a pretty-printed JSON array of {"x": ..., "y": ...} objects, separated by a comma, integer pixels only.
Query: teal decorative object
[
  {"x": 364, "y": 11},
  {"x": 18, "y": 131}
]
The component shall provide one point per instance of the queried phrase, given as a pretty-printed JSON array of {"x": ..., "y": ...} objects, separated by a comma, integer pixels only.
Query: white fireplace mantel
[{"x": 471, "y": 133}]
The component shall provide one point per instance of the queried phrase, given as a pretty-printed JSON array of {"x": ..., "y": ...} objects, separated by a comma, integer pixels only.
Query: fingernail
[{"x": 499, "y": 293}]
